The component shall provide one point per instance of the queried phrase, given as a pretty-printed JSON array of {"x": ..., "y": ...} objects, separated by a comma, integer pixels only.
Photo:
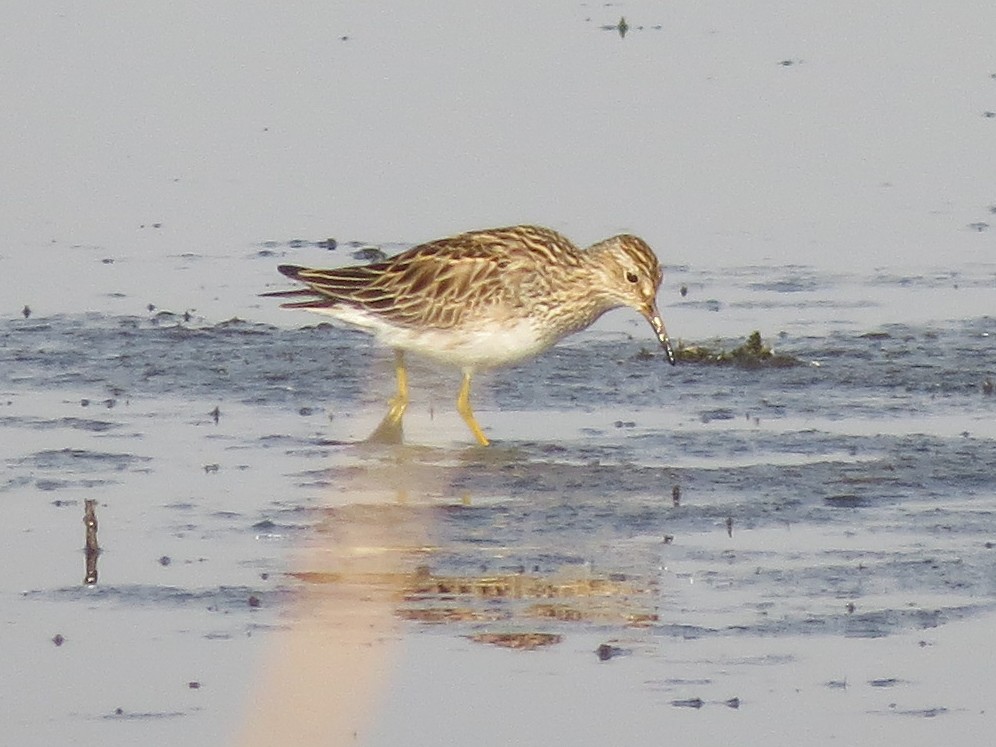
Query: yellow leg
[
  {"x": 390, "y": 429},
  {"x": 463, "y": 407}
]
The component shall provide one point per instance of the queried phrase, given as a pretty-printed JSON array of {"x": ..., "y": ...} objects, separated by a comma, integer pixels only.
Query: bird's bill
[{"x": 657, "y": 322}]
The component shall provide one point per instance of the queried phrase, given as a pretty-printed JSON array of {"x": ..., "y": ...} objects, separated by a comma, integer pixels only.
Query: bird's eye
[{"x": 632, "y": 277}]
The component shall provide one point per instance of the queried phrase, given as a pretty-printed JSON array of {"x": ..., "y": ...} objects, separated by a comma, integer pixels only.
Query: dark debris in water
[
  {"x": 622, "y": 27},
  {"x": 751, "y": 354},
  {"x": 921, "y": 712},
  {"x": 120, "y": 714},
  {"x": 607, "y": 651},
  {"x": 688, "y": 703},
  {"x": 518, "y": 641},
  {"x": 369, "y": 254},
  {"x": 886, "y": 682},
  {"x": 849, "y": 500},
  {"x": 268, "y": 247}
]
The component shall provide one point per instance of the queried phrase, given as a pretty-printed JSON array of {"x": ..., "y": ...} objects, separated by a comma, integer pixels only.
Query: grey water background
[
  {"x": 848, "y": 497},
  {"x": 885, "y": 434},
  {"x": 819, "y": 173}
]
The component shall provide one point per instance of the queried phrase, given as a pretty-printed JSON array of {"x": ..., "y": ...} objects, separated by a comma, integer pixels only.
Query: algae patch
[{"x": 751, "y": 354}]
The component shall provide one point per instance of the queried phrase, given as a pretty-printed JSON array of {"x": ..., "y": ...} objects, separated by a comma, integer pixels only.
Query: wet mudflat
[
  {"x": 707, "y": 554},
  {"x": 660, "y": 542}
]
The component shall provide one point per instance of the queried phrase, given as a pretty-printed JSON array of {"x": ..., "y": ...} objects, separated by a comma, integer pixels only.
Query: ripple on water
[
  {"x": 81, "y": 459},
  {"x": 723, "y": 501}
]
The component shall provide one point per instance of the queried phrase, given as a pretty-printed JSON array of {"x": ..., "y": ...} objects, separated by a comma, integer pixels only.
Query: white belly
[{"x": 497, "y": 345}]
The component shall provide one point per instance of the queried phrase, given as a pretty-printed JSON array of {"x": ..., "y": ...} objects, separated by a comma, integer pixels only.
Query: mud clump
[{"x": 751, "y": 354}]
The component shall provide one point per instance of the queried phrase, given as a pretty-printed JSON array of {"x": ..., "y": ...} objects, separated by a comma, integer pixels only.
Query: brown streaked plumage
[{"x": 483, "y": 299}]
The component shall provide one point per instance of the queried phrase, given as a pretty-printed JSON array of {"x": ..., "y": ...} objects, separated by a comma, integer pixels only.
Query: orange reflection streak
[
  {"x": 368, "y": 570},
  {"x": 322, "y": 673}
]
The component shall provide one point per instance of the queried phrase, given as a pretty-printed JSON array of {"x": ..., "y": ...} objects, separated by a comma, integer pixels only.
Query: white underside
[{"x": 466, "y": 348}]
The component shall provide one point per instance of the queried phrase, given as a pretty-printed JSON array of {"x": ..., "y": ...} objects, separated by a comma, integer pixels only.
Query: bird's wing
[{"x": 432, "y": 285}]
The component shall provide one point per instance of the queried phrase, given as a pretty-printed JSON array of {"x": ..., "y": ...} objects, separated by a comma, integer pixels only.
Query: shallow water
[
  {"x": 623, "y": 501},
  {"x": 782, "y": 556}
]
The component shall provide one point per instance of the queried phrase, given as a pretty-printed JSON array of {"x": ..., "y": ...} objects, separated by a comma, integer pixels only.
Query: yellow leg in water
[
  {"x": 463, "y": 407},
  {"x": 390, "y": 429}
]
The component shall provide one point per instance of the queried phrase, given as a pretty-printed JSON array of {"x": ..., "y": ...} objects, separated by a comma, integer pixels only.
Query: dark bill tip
[
  {"x": 669, "y": 351},
  {"x": 658, "y": 324}
]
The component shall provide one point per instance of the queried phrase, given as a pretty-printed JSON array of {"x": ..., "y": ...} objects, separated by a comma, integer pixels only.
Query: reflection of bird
[{"x": 483, "y": 299}]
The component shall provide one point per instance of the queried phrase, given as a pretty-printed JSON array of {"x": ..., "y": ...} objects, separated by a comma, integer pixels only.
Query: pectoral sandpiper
[{"x": 483, "y": 299}]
